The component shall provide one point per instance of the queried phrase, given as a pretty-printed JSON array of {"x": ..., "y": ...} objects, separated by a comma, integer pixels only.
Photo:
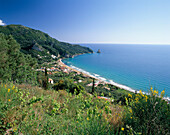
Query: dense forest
[
  {"x": 15, "y": 66},
  {"x": 40, "y": 45}
]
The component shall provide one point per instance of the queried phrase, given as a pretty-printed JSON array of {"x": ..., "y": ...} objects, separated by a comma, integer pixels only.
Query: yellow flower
[
  {"x": 5, "y": 85},
  {"x": 13, "y": 87},
  {"x": 87, "y": 118},
  {"x": 9, "y": 100},
  {"x": 130, "y": 110},
  {"x": 129, "y": 95},
  {"x": 146, "y": 98},
  {"x": 15, "y": 129},
  {"x": 162, "y": 93},
  {"x": 154, "y": 92},
  {"x": 122, "y": 129},
  {"x": 140, "y": 91},
  {"x": 8, "y": 90},
  {"x": 151, "y": 88}
]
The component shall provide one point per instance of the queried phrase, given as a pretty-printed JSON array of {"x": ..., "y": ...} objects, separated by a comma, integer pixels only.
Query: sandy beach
[{"x": 100, "y": 80}]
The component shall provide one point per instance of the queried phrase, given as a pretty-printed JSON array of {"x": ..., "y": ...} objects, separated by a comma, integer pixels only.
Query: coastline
[
  {"x": 99, "y": 79},
  {"x": 104, "y": 81}
]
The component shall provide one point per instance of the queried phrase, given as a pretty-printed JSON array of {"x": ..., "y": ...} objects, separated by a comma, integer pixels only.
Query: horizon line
[{"x": 123, "y": 43}]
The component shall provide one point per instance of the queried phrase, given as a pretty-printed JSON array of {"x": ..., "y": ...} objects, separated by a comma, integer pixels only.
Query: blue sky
[{"x": 93, "y": 21}]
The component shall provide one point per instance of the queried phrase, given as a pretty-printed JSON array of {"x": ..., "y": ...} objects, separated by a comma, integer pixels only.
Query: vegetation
[
  {"x": 30, "y": 110},
  {"x": 40, "y": 45},
  {"x": 148, "y": 114},
  {"x": 15, "y": 66},
  {"x": 29, "y": 104}
]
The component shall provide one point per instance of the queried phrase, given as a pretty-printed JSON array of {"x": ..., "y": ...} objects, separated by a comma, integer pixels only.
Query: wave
[
  {"x": 97, "y": 76},
  {"x": 102, "y": 79}
]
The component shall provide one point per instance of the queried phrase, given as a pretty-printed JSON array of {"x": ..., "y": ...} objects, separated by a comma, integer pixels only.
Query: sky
[{"x": 93, "y": 21}]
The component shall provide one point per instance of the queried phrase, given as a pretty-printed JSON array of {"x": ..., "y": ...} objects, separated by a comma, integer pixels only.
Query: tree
[
  {"x": 15, "y": 66},
  {"x": 93, "y": 86},
  {"x": 45, "y": 81}
]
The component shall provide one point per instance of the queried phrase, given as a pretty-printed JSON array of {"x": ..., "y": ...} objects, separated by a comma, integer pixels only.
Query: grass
[
  {"x": 32, "y": 110},
  {"x": 29, "y": 109}
]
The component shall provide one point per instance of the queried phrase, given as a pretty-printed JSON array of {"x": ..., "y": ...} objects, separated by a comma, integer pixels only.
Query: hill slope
[{"x": 40, "y": 45}]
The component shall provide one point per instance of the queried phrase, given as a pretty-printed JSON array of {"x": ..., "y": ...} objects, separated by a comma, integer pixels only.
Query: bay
[{"x": 135, "y": 66}]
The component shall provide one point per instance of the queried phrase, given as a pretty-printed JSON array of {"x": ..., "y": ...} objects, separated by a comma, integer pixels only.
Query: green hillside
[{"x": 40, "y": 45}]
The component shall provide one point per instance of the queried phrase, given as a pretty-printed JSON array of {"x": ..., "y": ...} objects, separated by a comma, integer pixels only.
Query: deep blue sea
[{"x": 135, "y": 66}]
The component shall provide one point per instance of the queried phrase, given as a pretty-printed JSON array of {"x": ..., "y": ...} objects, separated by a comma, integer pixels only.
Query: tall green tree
[
  {"x": 93, "y": 86},
  {"x": 15, "y": 66}
]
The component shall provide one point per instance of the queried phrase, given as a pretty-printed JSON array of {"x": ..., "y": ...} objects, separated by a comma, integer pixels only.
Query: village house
[{"x": 50, "y": 80}]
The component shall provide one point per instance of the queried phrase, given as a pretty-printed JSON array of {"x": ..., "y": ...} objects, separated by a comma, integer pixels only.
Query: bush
[
  {"x": 148, "y": 114},
  {"x": 67, "y": 84}
]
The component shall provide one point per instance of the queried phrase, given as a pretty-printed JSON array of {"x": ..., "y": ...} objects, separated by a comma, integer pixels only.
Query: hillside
[{"x": 40, "y": 45}]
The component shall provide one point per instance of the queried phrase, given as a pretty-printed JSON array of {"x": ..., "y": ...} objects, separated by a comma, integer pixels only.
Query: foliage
[
  {"x": 15, "y": 66},
  {"x": 45, "y": 80},
  {"x": 31, "y": 110},
  {"x": 148, "y": 114},
  {"x": 67, "y": 84},
  {"x": 36, "y": 43},
  {"x": 93, "y": 86}
]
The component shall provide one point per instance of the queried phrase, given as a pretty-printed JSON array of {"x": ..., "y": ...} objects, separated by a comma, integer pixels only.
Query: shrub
[{"x": 148, "y": 114}]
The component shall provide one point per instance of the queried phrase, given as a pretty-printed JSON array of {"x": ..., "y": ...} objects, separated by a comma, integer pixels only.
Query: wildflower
[
  {"x": 9, "y": 100},
  {"x": 162, "y": 93},
  {"x": 140, "y": 92},
  {"x": 13, "y": 87},
  {"x": 155, "y": 92},
  {"x": 5, "y": 85},
  {"x": 122, "y": 129},
  {"x": 151, "y": 88},
  {"x": 8, "y": 90},
  {"x": 129, "y": 95},
  {"x": 130, "y": 110},
  {"x": 146, "y": 97},
  {"x": 15, "y": 129}
]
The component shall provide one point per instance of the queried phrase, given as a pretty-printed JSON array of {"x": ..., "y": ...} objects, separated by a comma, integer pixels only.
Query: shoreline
[
  {"x": 124, "y": 87},
  {"x": 100, "y": 80}
]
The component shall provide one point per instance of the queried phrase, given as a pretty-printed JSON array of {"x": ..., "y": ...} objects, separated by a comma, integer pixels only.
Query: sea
[{"x": 134, "y": 66}]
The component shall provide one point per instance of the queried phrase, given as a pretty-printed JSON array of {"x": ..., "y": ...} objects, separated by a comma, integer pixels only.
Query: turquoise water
[{"x": 135, "y": 66}]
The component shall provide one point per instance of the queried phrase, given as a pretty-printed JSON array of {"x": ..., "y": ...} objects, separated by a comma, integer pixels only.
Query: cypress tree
[
  {"x": 93, "y": 86},
  {"x": 45, "y": 81}
]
